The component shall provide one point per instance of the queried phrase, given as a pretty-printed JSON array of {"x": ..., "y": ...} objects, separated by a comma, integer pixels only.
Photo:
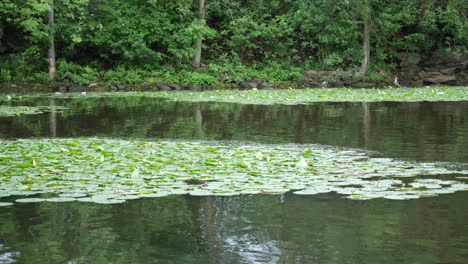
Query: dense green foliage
[{"x": 135, "y": 40}]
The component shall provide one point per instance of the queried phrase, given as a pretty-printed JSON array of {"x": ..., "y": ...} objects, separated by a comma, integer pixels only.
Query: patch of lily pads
[
  {"x": 282, "y": 96},
  {"x": 111, "y": 171},
  {"x": 26, "y": 110},
  {"x": 305, "y": 96}
]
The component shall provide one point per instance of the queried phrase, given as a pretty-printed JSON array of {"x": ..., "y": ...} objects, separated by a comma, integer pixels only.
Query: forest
[{"x": 208, "y": 42}]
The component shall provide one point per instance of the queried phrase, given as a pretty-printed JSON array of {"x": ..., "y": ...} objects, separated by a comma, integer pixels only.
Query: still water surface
[{"x": 253, "y": 228}]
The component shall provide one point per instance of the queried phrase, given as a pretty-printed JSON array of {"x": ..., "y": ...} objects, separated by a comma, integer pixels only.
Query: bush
[
  {"x": 39, "y": 77},
  {"x": 278, "y": 73},
  {"x": 15, "y": 68},
  {"x": 5, "y": 76},
  {"x": 76, "y": 73},
  {"x": 198, "y": 78},
  {"x": 125, "y": 76}
]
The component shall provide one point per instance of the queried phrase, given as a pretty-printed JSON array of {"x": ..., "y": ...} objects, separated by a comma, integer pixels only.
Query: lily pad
[
  {"x": 109, "y": 201},
  {"x": 73, "y": 195},
  {"x": 205, "y": 168},
  {"x": 60, "y": 199},
  {"x": 200, "y": 193},
  {"x": 401, "y": 197},
  {"x": 30, "y": 200}
]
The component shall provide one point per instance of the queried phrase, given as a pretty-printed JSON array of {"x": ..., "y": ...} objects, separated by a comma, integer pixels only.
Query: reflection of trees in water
[
  {"x": 366, "y": 125},
  {"x": 327, "y": 229},
  {"x": 198, "y": 116},
  {"x": 423, "y": 131},
  {"x": 53, "y": 118},
  {"x": 92, "y": 233},
  {"x": 245, "y": 229},
  {"x": 231, "y": 228},
  {"x": 240, "y": 229}
]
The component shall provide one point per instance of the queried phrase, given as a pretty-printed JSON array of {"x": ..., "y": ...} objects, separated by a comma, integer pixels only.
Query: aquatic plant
[
  {"x": 283, "y": 96},
  {"x": 305, "y": 96},
  {"x": 112, "y": 170},
  {"x": 25, "y": 110}
]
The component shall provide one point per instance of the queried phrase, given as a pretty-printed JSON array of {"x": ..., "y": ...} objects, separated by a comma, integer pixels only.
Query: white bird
[{"x": 395, "y": 82}]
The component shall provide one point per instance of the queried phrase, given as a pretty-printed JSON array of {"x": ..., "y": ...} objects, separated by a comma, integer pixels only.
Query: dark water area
[
  {"x": 244, "y": 229},
  {"x": 423, "y": 131},
  {"x": 250, "y": 228}
]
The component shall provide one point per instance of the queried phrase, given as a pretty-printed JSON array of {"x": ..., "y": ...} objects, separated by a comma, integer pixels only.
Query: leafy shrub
[
  {"x": 333, "y": 61},
  {"x": 16, "y": 68},
  {"x": 125, "y": 76},
  {"x": 39, "y": 77},
  {"x": 236, "y": 71},
  {"x": 5, "y": 76},
  {"x": 76, "y": 73},
  {"x": 197, "y": 78},
  {"x": 279, "y": 73}
]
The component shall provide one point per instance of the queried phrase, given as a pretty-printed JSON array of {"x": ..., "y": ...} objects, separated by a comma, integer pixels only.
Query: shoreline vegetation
[{"x": 199, "y": 45}]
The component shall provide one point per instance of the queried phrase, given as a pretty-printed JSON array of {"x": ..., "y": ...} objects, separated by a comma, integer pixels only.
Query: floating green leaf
[
  {"x": 60, "y": 199},
  {"x": 30, "y": 200}
]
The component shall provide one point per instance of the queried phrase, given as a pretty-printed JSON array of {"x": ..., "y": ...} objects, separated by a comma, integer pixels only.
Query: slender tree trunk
[
  {"x": 199, "y": 41},
  {"x": 51, "y": 53},
  {"x": 365, "y": 46}
]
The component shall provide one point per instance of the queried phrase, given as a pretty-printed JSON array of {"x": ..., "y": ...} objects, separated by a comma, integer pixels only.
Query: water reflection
[
  {"x": 53, "y": 118},
  {"x": 428, "y": 131},
  {"x": 241, "y": 229},
  {"x": 247, "y": 229}
]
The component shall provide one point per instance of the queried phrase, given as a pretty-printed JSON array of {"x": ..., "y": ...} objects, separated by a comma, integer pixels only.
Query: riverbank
[{"x": 438, "y": 68}]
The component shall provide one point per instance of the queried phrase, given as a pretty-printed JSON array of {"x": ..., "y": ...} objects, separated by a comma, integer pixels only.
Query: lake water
[{"x": 285, "y": 228}]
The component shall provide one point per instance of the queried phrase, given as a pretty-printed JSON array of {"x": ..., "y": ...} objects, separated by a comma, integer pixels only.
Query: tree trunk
[
  {"x": 199, "y": 41},
  {"x": 365, "y": 45},
  {"x": 51, "y": 53}
]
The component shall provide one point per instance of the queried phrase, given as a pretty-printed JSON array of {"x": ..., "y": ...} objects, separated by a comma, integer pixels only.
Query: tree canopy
[{"x": 149, "y": 34}]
